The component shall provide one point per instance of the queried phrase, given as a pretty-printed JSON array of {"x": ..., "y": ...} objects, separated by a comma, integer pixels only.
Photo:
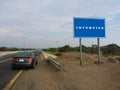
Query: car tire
[
  {"x": 13, "y": 67},
  {"x": 36, "y": 63},
  {"x": 33, "y": 65}
]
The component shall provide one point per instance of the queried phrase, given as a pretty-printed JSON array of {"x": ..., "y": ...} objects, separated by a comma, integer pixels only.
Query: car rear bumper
[{"x": 18, "y": 64}]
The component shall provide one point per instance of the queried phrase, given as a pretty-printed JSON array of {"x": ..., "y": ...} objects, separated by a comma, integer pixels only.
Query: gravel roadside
[{"x": 76, "y": 77}]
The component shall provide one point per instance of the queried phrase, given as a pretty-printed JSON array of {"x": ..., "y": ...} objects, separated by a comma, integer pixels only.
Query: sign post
[
  {"x": 80, "y": 42},
  {"x": 98, "y": 40},
  {"x": 89, "y": 27}
]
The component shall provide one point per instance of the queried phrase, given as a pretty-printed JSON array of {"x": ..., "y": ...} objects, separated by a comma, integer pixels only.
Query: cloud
[
  {"x": 113, "y": 21},
  {"x": 7, "y": 32},
  {"x": 51, "y": 20}
]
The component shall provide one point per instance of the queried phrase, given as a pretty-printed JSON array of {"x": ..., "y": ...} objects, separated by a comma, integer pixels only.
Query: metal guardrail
[{"x": 56, "y": 63}]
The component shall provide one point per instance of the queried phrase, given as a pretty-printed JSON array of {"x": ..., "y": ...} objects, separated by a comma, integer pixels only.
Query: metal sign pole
[
  {"x": 98, "y": 40},
  {"x": 80, "y": 40}
]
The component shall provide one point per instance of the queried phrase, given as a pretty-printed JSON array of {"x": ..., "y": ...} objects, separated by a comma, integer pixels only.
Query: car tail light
[
  {"x": 13, "y": 59},
  {"x": 29, "y": 58}
]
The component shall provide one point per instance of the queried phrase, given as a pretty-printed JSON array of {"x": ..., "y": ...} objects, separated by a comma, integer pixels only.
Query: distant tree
[
  {"x": 64, "y": 49},
  {"x": 12, "y": 49},
  {"x": 85, "y": 49},
  {"x": 50, "y": 49},
  {"x": 112, "y": 49},
  {"x": 3, "y": 48},
  {"x": 94, "y": 49}
]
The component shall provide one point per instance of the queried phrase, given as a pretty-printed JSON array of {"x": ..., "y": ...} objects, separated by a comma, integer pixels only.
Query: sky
[{"x": 49, "y": 23}]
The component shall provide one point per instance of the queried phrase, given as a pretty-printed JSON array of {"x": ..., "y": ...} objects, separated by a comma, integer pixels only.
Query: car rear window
[{"x": 23, "y": 54}]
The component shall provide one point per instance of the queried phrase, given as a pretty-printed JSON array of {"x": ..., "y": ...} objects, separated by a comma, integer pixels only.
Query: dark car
[{"x": 24, "y": 59}]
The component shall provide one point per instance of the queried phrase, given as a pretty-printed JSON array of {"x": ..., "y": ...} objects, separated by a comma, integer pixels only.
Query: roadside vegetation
[
  {"x": 14, "y": 49},
  {"x": 110, "y": 49}
]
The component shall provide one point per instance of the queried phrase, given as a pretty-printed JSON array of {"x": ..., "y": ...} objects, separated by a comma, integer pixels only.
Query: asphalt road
[{"x": 6, "y": 73}]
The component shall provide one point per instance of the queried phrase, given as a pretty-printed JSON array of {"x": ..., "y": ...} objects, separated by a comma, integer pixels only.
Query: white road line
[{"x": 2, "y": 61}]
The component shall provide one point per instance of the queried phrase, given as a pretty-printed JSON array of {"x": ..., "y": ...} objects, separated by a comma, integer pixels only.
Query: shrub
[
  {"x": 112, "y": 49},
  {"x": 59, "y": 54}
]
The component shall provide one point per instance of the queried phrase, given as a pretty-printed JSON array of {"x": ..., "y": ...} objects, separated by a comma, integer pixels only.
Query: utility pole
[
  {"x": 57, "y": 45},
  {"x": 24, "y": 44}
]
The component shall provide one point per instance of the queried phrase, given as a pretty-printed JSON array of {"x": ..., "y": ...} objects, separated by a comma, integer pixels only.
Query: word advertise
[{"x": 84, "y": 27}]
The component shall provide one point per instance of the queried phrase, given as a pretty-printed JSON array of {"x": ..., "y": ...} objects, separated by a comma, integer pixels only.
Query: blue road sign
[{"x": 87, "y": 27}]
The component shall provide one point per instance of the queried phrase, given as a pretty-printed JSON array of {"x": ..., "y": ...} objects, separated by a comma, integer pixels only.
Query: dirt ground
[{"x": 89, "y": 76}]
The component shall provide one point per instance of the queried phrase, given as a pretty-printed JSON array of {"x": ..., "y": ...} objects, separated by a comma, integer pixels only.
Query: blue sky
[{"x": 40, "y": 23}]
